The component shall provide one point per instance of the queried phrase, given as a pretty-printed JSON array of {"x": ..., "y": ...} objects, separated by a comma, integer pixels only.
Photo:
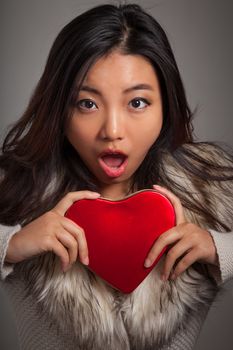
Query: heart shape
[{"x": 121, "y": 232}]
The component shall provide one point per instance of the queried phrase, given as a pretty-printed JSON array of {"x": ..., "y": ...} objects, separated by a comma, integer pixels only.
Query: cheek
[
  {"x": 78, "y": 135},
  {"x": 148, "y": 135},
  {"x": 155, "y": 129}
]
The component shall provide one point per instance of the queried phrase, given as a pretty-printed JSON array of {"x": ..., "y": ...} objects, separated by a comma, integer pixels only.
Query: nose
[{"x": 113, "y": 127}]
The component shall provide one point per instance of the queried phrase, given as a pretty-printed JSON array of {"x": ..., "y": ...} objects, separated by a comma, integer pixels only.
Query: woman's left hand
[{"x": 188, "y": 243}]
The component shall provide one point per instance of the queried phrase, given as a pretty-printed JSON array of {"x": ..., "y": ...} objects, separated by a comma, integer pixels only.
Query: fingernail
[
  {"x": 156, "y": 186},
  {"x": 86, "y": 260},
  {"x": 173, "y": 276},
  {"x": 96, "y": 194},
  {"x": 164, "y": 277},
  {"x": 147, "y": 263},
  {"x": 66, "y": 268}
]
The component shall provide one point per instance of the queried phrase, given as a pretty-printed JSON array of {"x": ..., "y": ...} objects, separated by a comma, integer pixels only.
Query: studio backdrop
[{"x": 200, "y": 32}]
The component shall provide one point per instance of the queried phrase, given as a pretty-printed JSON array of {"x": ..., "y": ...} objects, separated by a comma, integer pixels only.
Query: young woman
[{"x": 109, "y": 117}]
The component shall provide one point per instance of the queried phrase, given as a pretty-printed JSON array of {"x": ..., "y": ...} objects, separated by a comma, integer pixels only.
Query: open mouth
[
  {"x": 114, "y": 160},
  {"x": 113, "y": 164}
]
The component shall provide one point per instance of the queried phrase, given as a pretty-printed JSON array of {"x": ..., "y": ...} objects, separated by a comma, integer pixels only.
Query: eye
[
  {"x": 86, "y": 104},
  {"x": 139, "y": 103}
]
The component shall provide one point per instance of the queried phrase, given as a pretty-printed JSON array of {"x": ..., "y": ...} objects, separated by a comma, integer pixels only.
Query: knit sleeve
[
  {"x": 224, "y": 247},
  {"x": 186, "y": 337},
  {"x": 6, "y": 232}
]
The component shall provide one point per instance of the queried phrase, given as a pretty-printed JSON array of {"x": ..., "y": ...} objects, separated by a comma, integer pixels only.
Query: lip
[
  {"x": 112, "y": 151},
  {"x": 109, "y": 171}
]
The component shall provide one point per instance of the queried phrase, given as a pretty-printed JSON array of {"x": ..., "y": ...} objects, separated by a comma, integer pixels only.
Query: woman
[{"x": 111, "y": 84}]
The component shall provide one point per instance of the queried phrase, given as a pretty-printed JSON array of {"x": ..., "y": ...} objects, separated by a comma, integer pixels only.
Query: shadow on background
[
  {"x": 213, "y": 336},
  {"x": 216, "y": 332},
  {"x": 8, "y": 334}
]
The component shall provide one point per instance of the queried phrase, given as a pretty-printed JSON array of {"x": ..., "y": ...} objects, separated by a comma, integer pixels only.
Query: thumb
[
  {"x": 72, "y": 197},
  {"x": 179, "y": 211}
]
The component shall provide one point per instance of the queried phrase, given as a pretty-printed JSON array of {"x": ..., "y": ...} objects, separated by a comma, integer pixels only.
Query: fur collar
[
  {"x": 147, "y": 318},
  {"x": 98, "y": 314}
]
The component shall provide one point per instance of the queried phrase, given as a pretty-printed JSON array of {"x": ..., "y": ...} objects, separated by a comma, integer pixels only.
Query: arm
[
  {"x": 6, "y": 233},
  {"x": 191, "y": 243},
  {"x": 51, "y": 232},
  {"x": 224, "y": 246}
]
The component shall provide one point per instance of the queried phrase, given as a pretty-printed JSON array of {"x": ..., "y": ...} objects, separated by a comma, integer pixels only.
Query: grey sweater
[{"x": 37, "y": 332}]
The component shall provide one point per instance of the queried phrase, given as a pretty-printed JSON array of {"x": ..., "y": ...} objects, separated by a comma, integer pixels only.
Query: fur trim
[
  {"x": 148, "y": 318},
  {"x": 216, "y": 196},
  {"x": 98, "y": 314}
]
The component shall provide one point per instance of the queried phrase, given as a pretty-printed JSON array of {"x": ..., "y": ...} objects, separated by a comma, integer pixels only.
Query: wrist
[{"x": 11, "y": 256}]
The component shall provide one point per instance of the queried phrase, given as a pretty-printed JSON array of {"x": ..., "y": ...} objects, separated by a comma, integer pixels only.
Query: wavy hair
[{"x": 38, "y": 164}]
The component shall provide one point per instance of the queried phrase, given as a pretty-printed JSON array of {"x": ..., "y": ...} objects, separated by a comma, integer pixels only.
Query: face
[{"x": 116, "y": 119}]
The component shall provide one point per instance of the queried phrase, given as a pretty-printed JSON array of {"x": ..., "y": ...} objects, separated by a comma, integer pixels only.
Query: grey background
[{"x": 200, "y": 32}]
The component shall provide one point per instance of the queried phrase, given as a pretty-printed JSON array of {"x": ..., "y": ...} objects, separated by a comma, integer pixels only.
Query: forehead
[{"x": 121, "y": 69}]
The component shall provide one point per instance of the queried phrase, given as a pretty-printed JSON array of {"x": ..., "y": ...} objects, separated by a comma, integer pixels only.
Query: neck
[{"x": 114, "y": 191}]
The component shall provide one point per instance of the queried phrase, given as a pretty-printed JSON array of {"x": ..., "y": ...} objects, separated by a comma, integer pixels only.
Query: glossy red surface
[{"x": 120, "y": 234}]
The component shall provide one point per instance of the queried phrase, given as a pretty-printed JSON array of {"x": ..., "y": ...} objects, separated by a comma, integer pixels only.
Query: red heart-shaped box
[{"x": 121, "y": 232}]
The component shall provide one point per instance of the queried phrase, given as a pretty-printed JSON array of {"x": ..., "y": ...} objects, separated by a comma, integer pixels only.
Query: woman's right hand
[{"x": 52, "y": 232}]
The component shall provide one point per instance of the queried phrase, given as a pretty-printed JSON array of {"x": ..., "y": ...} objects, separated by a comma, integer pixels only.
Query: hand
[
  {"x": 52, "y": 232},
  {"x": 189, "y": 243}
]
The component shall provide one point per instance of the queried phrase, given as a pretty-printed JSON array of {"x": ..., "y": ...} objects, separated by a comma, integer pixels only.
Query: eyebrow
[{"x": 132, "y": 88}]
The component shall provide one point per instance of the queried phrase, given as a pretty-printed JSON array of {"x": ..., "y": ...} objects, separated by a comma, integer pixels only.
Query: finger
[
  {"x": 57, "y": 248},
  {"x": 79, "y": 234},
  {"x": 72, "y": 197},
  {"x": 180, "y": 218},
  {"x": 70, "y": 243},
  {"x": 173, "y": 255},
  {"x": 185, "y": 263},
  {"x": 169, "y": 237}
]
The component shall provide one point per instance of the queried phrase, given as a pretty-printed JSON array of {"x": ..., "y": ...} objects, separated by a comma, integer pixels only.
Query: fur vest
[{"x": 102, "y": 317}]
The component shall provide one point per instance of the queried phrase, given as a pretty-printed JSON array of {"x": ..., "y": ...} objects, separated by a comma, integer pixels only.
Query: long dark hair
[{"x": 36, "y": 156}]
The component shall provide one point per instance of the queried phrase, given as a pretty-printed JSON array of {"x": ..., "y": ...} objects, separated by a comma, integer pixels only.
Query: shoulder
[
  {"x": 200, "y": 155},
  {"x": 210, "y": 151},
  {"x": 201, "y": 175}
]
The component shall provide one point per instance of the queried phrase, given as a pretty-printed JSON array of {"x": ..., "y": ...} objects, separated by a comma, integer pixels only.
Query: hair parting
[{"x": 37, "y": 163}]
